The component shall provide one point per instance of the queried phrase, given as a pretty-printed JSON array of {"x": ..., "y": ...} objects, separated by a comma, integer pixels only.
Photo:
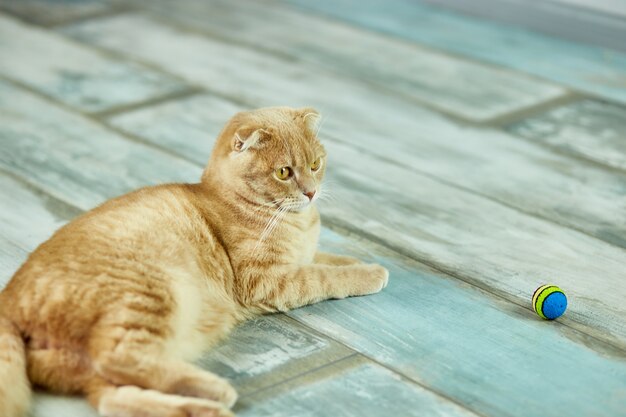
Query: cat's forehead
[
  {"x": 285, "y": 120},
  {"x": 296, "y": 146}
]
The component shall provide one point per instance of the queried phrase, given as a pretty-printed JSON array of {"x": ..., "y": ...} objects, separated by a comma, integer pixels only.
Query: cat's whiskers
[
  {"x": 325, "y": 192},
  {"x": 276, "y": 217},
  {"x": 267, "y": 206}
]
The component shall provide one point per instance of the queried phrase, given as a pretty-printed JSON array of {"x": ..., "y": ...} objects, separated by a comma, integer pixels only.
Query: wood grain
[
  {"x": 593, "y": 70},
  {"x": 493, "y": 164},
  {"x": 589, "y": 129},
  {"x": 58, "y": 144},
  {"x": 269, "y": 350},
  {"x": 258, "y": 354},
  {"x": 447, "y": 83},
  {"x": 350, "y": 388},
  {"x": 496, "y": 358},
  {"x": 48, "y": 12},
  {"x": 184, "y": 127},
  {"x": 444, "y": 334},
  {"x": 281, "y": 348},
  {"x": 75, "y": 75},
  {"x": 483, "y": 242}
]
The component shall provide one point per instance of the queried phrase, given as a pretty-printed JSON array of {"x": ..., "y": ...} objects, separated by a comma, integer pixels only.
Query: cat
[{"x": 118, "y": 302}]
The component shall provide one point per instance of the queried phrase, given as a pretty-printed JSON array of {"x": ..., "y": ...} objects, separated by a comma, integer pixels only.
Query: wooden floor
[{"x": 473, "y": 160}]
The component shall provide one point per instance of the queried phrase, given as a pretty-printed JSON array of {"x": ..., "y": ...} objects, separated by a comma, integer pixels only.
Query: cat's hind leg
[
  {"x": 132, "y": 352},
  {"x": 132, "y": 401}
]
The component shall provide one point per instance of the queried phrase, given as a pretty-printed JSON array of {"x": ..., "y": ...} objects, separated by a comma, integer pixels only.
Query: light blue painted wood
[
  {"x": 48, "y": 405},
  {"x": 587, "y": 128},
  {"x": 258, "y": 354},
  {"x": 29, "y": 217},
  {"x": 65, "y": 155},
  {"x": 269, "y": 350},
  {"x": 594, "y": 70},
  {"x": 45, "y": 144},
  {"x": 186, "y": 127},
  {"x": 482, "y": 242},
  {"x": 494, "y": 357},
  {"x": 11, "y": 257},
  {"x": 485, "y": 353},
  {"x": 456, "y": 86},
  {"x": 72, "y": 74},
  {"x": 26, "y": 219},
  {"x": 366, "y": 390},
  {"x": 486, "y": 162}
]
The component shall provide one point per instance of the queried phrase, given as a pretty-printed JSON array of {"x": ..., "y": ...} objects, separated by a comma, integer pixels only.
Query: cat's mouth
[
  {"x": 295, "y": 205},
  {"x": 299, "y": 207}
]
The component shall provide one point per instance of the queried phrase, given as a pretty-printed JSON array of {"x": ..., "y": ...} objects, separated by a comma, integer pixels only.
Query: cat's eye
[
  {"x": 284, "y": 173},
  {"x": 316, "y": 164}
]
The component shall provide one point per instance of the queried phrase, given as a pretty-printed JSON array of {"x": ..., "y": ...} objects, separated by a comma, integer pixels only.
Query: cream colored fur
[{"x": 115, "y": 303}]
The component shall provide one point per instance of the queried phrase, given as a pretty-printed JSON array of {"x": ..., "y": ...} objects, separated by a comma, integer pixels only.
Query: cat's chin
[{"x": 301, "y": 208}]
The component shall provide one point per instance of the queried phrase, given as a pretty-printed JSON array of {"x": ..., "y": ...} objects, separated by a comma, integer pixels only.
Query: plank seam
[
  {"x": 103, "y": 52},
  {"x": 308, "y": 372},
  {"x": 183, "y": 93},
  {"x": 38, "y": 190},
  {"x": 314, "y": 331},
  {"x": 616, "y": 348},
  {"x": 476, "y": 193},
  {"x": 375, "y": 239},
  {"x": 381, "y": 32},
  {"x": 359, "y": 79},
  {"x": 385, "y": 91}
]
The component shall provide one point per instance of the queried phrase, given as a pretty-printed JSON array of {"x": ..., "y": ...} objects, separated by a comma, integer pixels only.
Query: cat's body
[{"x": 116, "y": 302}]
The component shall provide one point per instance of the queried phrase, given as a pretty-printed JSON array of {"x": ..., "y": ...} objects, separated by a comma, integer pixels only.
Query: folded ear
[
  {"x": 311, "y": 118},
  {"x": 246, "y": 138}
]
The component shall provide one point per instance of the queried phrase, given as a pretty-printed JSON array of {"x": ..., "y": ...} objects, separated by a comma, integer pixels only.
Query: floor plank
[
  {"x": 282, "y": 349},
  {"x": 186, "y": 127},
  {"x": 50, "y": 405},
  {"x": 75, "y": 75},
  {"x": 27, "y": 218},
  {"x": 60, "y": 144},
  {"x": 269, "y": 350},
  {"x": 496, "y": 358},
  {"x": 447, "y": 83},
  {"x": 49, "y": 12},
  {"x": 361, "y": 389},
  {"x": 476, "y": 239},
  {"x": 417, "y": 323},
  {"x": 596, "y": 71},
  {"x": 590, "y": 129},
  {"x": 11, "y": 257},
  {"x": 493, "y": 164}
]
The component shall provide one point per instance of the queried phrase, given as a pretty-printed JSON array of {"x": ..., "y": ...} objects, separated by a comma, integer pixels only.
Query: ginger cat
[{"x": 115, "y": 303}]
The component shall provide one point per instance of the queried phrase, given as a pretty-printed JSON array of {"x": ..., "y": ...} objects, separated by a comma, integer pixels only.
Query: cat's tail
[{"x": 15, "y": 391}]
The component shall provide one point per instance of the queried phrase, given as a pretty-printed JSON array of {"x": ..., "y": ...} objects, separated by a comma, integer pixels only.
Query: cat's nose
[{"x": 310, "y": 194}]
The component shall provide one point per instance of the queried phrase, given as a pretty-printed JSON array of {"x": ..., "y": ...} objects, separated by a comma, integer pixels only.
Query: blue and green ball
[{"x": 549, "y": 301}]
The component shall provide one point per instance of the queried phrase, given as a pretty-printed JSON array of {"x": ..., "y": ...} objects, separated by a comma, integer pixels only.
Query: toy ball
[{"x": 549, "y": 302}]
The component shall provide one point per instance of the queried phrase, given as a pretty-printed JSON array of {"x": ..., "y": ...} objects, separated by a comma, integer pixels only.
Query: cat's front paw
[
  {"x": 226, "y": 394},
  {"x": 370, "y": 279},
  {"x": 379, "y": 275}
]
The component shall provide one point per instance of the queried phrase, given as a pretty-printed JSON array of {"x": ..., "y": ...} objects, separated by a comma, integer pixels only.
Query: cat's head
[{"x": 270, "y": 156}]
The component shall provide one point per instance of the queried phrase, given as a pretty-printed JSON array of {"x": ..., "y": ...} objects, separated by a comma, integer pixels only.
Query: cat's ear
[
  {"x": 311, "y": 118},
  {"x": 246, "y": 138}
]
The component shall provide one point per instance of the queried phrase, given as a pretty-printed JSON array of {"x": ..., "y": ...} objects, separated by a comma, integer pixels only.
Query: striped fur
[{"x": 117, "y": 302}]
